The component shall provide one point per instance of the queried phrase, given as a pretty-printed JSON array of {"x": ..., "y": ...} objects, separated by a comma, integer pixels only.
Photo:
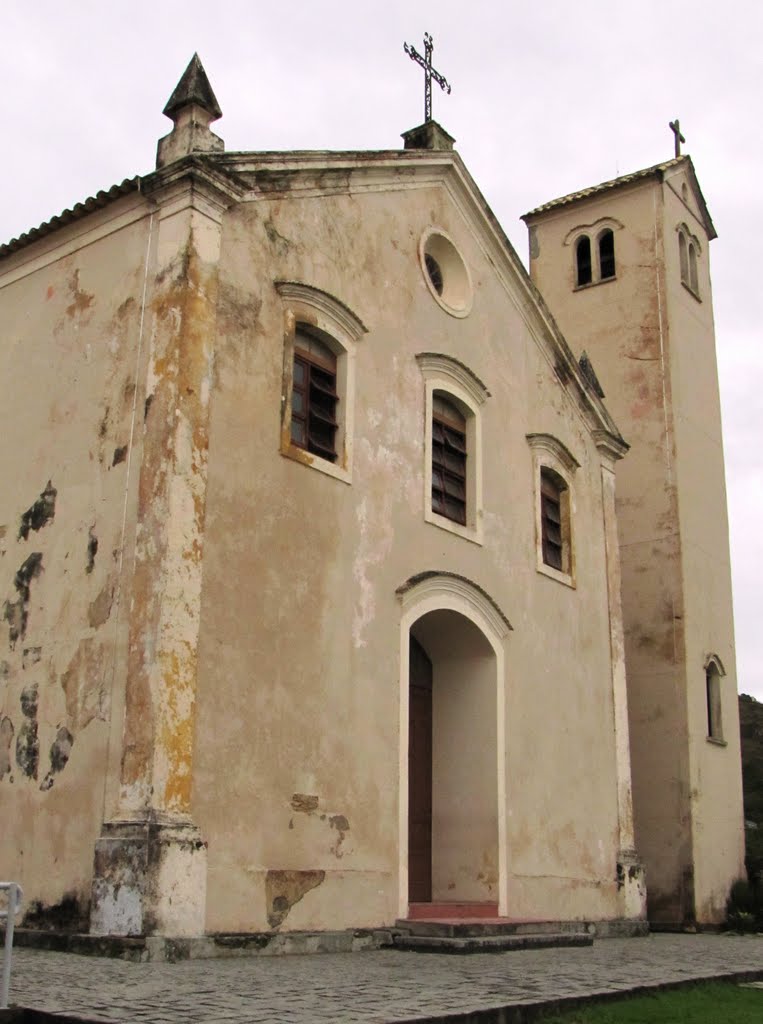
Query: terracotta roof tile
[{"x": 96, "y": 202}]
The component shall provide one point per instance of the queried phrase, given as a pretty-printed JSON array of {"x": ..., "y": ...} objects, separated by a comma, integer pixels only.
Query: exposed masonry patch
[
  {"x": 16, "y": 613},
  {"x": 27, "y": 741},
  {"x": 59, "y": 755},
  {"x": 120, "y": 454},
  {"x": 285, "y": 888},
  {"x": 6, "y": 739},
  {"x": 100, "y": 608},
  {"x": 307, "y": 803},
  {"x": 39, "y": 514},
  {"x": 92, "y": 549}
]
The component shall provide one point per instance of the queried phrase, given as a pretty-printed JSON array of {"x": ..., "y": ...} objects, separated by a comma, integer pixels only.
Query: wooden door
[{"x": 420, "y": 776}]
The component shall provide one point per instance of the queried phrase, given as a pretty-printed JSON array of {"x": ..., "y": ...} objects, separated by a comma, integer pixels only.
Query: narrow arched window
[
  {"x": 314, "y": 396},
  {"x": 449, "y": 451},
  {"x": 713, "y": 696},
  {"x": 583, "y": 260},
  {"x": 683, "y": 257},
  {"x": 693, "y": 268},
  {"x": 607, "y": 254},
  {"x": 553, "y": 520}
]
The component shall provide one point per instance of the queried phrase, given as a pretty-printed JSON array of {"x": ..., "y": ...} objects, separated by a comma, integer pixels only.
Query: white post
[{"x": 15, "y": 896}]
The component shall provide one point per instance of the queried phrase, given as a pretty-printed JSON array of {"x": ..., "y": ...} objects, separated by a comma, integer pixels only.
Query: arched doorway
[
  {"x": 452, "y": 762},
  {"x": 452, "y": 755}
]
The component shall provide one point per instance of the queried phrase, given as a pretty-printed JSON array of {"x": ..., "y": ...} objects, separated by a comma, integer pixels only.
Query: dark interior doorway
[{"x": 420, "y": 776}]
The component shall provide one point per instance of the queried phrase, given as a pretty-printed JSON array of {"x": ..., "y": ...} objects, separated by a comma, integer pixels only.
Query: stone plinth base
[
  {"x": 631, "y": 884},
  {"x": 150, "y": 878}
]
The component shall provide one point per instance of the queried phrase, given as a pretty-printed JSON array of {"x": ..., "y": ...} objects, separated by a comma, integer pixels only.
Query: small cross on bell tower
[{"x": 675, "y": 127}]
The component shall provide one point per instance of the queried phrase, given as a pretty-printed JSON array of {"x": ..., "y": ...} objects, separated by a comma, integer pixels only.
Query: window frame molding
[
  {"x": 340, "y": 329},
  {"x": 594, "y": 233},
  {"x": 713, "y": 666},
  {"x": 551, "y": 454},
  {"x": 460, "y": 386},
  {"x": 688, "y": 267}
]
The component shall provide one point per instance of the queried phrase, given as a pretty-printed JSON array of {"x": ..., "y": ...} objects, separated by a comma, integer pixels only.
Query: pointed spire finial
[
  {"x": 193, "y": 88},
  {"x": 192, "y": 107}
]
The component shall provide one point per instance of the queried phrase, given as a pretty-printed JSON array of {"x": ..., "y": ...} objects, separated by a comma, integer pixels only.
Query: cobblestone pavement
[{"x": 382, "y": 986}]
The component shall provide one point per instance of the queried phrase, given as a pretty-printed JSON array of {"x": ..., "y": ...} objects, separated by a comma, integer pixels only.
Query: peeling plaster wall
[
  {"x": 296, "y": 764},
  {"x": 70, "y": 307},
  {"x": 657, "y": 369}
]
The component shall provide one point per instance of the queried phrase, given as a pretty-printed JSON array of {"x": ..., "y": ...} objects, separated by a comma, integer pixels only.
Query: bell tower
[{"x": 624, "y": 268}]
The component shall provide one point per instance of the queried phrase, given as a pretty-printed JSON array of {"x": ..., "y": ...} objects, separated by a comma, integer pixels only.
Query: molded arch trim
[
  {"x": 332, "y": 308},
  {"x": 441, "y": 587}
]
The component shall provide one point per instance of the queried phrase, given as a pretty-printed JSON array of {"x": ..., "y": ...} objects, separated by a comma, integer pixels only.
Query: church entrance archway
[{"x": 453, "y": 828}]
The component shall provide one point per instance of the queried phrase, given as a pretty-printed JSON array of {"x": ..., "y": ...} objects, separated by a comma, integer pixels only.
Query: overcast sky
[{"x": 548, "y": 97}]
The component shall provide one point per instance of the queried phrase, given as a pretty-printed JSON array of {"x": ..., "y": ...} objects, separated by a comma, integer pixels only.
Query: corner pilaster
[
  {"x": 631, "y": 883},
  {"x": 150, "y": 860}
]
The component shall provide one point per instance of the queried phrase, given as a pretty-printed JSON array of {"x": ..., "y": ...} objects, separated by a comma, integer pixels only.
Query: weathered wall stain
[
  {"x": 60, "y": 750},
  {"x": 70, "y": 914},
  {"x": 81, "y": 300},
  {"x": 84, "y": 685},
  {"x": 30, "y": 656},
  {"x": 120, "y": 454},
  {"x": 285, "y": 888},
  {"x": 27, "y": 741},
  {"x": 100, "y": 608},
  {"x": 342, "y": 826},
  {"x": 40, "y": 513},
  {"x": 6, "y": 739},
  {"x": 16, "y": 613}
]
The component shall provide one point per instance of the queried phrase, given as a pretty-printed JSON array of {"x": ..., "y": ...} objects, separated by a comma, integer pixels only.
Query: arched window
[
  {"x": 583, "y": 260},
  {"x": 314, "y": 396},
  {"x": 688, "y": 252},
  {"x": 606, "y": 254},
  {"x": 554, "y": 467},
  {"x": 318, "y": 398},
  {"x": 553, "y": 500},
  {"x": 453, "y": 396},
  {"x": 683, "y": 257},
  {"x": 713, "y": 673},
  {"x": 693, "y": 268}
]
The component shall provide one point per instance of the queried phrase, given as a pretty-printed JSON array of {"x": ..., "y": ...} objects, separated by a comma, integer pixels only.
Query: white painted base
[{"x": 150, "y": 878}]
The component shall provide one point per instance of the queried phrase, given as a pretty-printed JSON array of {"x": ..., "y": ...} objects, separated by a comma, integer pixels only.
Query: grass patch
[{"x": 717, "y": 1002}]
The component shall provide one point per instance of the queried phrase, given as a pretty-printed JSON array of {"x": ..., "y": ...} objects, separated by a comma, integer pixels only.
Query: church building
[{"x": 352, "y": 576}]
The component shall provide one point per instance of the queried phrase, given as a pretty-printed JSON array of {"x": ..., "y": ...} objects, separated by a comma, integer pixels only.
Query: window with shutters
[
  {"x": 552, "y": 489},
  {"x": 314, "y": 396},
  {"x": 448, "y": 460},
  {"x": 453, "y": 400},
  {"x": 318, "y": 390},
  {"x": 554, "y": 467}
]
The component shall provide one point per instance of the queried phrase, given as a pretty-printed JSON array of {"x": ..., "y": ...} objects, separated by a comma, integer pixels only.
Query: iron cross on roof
[
  {"x": 429, "y": 72},
  {"x": 675, "y": 127}
]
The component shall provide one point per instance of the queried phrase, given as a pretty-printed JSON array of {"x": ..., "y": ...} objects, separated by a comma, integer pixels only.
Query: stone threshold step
[
  {"x": 465, "y": 927},
  {"x": 489, "y": 943}
]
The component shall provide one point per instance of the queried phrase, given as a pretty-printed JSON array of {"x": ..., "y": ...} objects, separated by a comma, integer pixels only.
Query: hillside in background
[{"x": 751, "y": 729}]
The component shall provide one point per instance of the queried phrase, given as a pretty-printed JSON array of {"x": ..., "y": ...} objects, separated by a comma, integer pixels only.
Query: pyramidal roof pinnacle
[{"x": 193, "y": 89}]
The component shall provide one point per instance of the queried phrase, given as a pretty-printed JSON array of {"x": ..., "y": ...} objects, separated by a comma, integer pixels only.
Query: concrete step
[
  {"x": 470, "y": 927},
  {"x": 488, "y": 943}
]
